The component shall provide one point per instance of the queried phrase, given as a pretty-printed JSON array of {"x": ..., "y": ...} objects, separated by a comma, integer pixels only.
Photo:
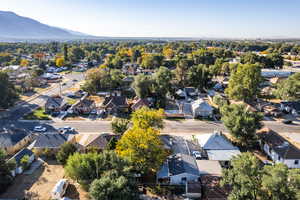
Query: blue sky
[{"x": 166, "y": 18}]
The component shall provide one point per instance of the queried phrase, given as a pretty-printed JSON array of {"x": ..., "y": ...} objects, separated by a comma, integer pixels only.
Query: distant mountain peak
[{"x": 18, "y": 27}]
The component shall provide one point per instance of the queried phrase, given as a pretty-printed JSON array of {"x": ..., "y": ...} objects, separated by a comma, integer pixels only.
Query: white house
[
  {"x": 218, "y": 148},
  {"x": 18, "y": 157},
  {"x": 201, "y": 108},
  {"x": 178, "y": 170},
  {"x": 280, "y": 150}
]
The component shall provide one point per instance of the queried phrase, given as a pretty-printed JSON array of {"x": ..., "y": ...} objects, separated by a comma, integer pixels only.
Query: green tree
[
  {"x": 250, "y": 58},
  {"x": 241, "y": 122},
  {"x": 198, "y": 77},
  {"x": 181, "y": 71},
  {"x": 277, "y": 183},
  {"x": 244, "y": 177},
  {"x": 152, "y": 61},
  {"x": 142, "y": 85},
  {"x": 65, "y": 151},
  {"x": 65, "y": 50},
  {"x": 289, "y": 89},
  {"x": 143, "y": 148},
  {"x": 112, "y": 185},
  {"x": 76, "y": 54},
  {"x": 6, "y": 177},
  {"x": 119, "y": 125},
  {"x": 87, "y": 167},
  {"x": 148, "y": 118},
  {"x": 244, "y": 83},
  {"x": 8, "y": 92}
]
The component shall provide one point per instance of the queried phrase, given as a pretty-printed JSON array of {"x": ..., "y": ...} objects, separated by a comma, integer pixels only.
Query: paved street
[
  {"x": 179, "y": 128},
  {"x": 18, "y": 111}
]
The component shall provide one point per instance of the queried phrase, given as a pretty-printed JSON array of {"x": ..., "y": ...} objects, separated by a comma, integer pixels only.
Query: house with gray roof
[
  {"x": 218, "y": 147},
  {"x": 12, "y": 140},
  {"x": 279, "y": 149},
  {"x": 178, "y": 169},
  {"x": 51, "y": 141}
]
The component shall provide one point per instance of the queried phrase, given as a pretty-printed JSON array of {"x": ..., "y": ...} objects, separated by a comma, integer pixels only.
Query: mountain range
[{"x": 13, "y": 26}]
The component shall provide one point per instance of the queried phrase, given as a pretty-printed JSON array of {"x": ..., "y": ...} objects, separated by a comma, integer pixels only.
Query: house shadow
[
  {"x": 22, "y": 184},
  {"x": 72, "y": 192}
]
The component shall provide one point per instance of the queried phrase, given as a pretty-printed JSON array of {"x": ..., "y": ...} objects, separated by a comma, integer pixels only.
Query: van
[{"x": 59, "y": 189}]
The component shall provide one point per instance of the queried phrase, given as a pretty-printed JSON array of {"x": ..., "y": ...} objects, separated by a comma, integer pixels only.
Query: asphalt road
[
  {"x": 178, "y": 128},
  {"x": 19, "y": 110}
]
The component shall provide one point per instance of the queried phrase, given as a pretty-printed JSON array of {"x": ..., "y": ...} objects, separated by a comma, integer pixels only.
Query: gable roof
[
  {"x": 96, "y": 140},
  {"x": 203, "y": 105},
  {"x": 215, "y": 141},
  {"x": 140, "y": 103},
  {"x": 280, "y": 145},
  {"x": 11, "y": 137},
  {"x": 55, "y": 101},
  {"x": 18, "y": 156},
  {"x": 182, "y": 163},
  {"x": 115, "y": 101},
  {"x": 49, "y": 140}
]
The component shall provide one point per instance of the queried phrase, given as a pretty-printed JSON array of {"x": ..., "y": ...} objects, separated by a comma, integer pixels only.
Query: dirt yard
[{"x": 41, "y": 182}]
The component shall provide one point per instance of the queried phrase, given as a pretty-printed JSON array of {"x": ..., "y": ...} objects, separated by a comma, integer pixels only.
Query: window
[
  {"x": 279, "y": 157},
  {"x": 183, "y": 179},
  {"x": 296, "y": 162}
]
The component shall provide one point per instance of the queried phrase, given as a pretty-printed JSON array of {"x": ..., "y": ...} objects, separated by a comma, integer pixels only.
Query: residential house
[
  {"x": 96, "y": 141},
  {"x": 55, "y": 104},
  {"x": 18, "y": 157},
  {"x": 84, "y": 106},
  {"x": 12, "y": 140},
  {"x": 51, "y": 141},
  {"x": 200, "y": 108},
  {"x": 139, "y": 103},
  {"x": 279, "y": 149},
  {"x": 178, "y": 170},
  {"x": 191, "y": 91},
  {"x": 218, "y": 148},
  {"x": 115, "y": 104}
]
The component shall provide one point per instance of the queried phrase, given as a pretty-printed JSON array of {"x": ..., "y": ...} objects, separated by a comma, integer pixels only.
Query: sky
[{"x": 166, "y": 18}]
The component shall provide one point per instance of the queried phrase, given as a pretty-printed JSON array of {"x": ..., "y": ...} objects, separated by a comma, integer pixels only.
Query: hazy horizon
[{"x": 158, "y": 18}]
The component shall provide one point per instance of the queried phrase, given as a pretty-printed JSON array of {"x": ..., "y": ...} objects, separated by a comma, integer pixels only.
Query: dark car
[{"x": 287, "y": 121}]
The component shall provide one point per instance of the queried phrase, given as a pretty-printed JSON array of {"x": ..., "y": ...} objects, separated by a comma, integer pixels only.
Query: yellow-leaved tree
[
  {"x": 143, "y": 148},
  {"x": 141, "y": 144},
  {"x": 148, "y": 118},
  {"x": 60, "y": 62},
  {"x": 24, "y": 63}
]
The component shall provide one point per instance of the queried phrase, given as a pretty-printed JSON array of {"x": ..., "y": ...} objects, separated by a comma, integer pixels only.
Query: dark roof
[
  {"x": 193, "y": 187},
  {"x": 49, "y": 140},
  {"x": 181, "y": 163},
  {"x": 55, "y": 100},
  {"x": 18, "y": 156},
  {"x": 140, "y": 103},
  {"x": 12, "y": 137},
  {"x": 293, "y": 104},
  {"x": 280, "y": 145},
  {"x": 190, "y": 89},
  {"x": 115, "y": 101}
]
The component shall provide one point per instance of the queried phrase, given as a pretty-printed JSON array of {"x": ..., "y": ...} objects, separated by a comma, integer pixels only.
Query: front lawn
[{"x": 38, "y": 114}]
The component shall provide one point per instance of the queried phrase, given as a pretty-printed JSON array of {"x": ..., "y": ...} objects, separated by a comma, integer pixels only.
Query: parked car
[
  {"x": 59, "y": 189},
  {"x": 66, "y": 129},
  {"x": 39, "y": 129},
  {"x": 287, "y": 121},
  {"x": 197, "y": 155}
]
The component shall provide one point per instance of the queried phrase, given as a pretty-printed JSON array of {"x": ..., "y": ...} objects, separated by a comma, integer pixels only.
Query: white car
[
  {"x": 66, "y": 129},
  {"x": 59, "y": 189},
  {"x": 40, "y": 129},
  {"x": 197, "y": 155}
]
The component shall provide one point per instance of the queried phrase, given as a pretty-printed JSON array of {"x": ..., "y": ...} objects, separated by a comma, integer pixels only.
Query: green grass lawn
[{"x": 38, "y": 114}]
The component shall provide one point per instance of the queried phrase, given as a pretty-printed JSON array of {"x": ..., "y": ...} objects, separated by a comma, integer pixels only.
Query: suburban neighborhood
[{"x": 84, "y": 117}]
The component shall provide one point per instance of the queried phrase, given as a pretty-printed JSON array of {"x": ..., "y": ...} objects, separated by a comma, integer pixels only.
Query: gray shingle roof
[
  {"x": 48, "y": 140},
  {"x": 12, "y": 137}
]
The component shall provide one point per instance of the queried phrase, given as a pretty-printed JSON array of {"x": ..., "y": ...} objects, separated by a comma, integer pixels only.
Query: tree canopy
[
  {"x": 244, "y": 83},
  {"x": 241, "y": 122},
  {"x": 289, "y": 89}
]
